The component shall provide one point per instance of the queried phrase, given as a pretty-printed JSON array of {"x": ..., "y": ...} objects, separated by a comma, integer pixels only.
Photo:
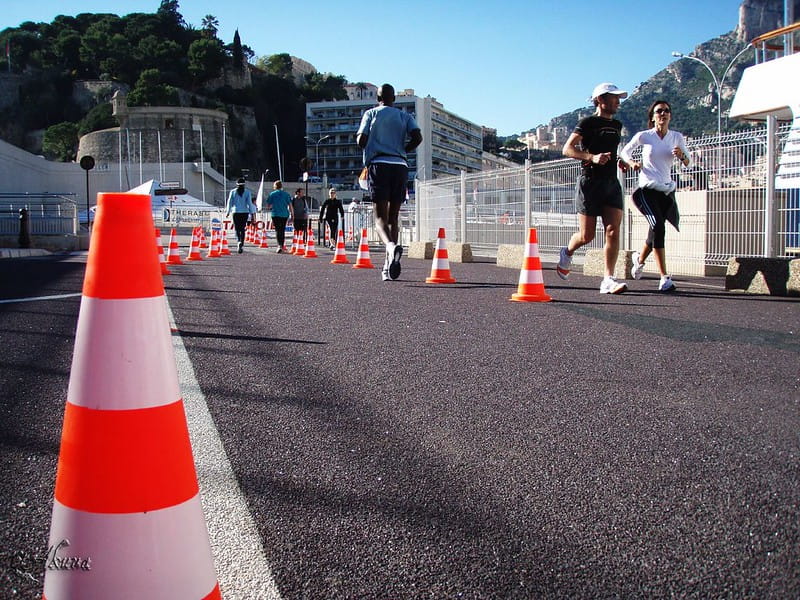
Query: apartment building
[{"x": 450, "y": 143}]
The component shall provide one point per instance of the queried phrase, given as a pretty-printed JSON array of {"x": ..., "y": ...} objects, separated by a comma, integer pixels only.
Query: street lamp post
[
  {"x": 316, "y": 147},
  {"x": 718, "y": 85}
]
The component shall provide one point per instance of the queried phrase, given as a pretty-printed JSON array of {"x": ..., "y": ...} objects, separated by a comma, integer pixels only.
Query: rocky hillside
[{"x": 688, "y": 86}]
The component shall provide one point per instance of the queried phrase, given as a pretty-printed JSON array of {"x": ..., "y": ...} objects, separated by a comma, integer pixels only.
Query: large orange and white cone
[
  {"x": 174, "y": 257},
  {"x": 194, "y": 249},
  {"x": 440, "y": 268},
  {"x": 126, "y": 513},
  {"x": 340, "y": 256},
  {"x": 531, "y": 280},
  {"x": 311, "y": 251},
  {"x": 203, "y": 239},
  {"x": 161, "y": 258},
  {"x": 362, "y": 257}
]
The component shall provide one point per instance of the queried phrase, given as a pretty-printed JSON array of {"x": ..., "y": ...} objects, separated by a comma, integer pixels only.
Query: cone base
[
  {"x": 307, "y": 255},
  {"x": 192, "y": 257},
  {"x": 363, "y": 266},
  {"x": 439, "y": 280},
  {"x": 530, "y": 298},
  {"x": 340, "y": 260}
]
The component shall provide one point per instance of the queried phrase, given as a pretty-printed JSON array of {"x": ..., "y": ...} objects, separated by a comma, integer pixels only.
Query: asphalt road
[{"x": 406, "y": 440}]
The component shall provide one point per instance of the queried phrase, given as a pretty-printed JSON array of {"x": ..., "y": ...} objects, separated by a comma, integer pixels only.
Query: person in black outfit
[
  {"x": 330, "y": 211},
  {"x": 598, "y": 193}
]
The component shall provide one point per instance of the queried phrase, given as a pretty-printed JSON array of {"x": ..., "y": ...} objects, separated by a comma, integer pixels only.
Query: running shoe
[
  {"x": 394, "y": 266},
  {"x": 638, "y": 267},
  {"x": 612, "y": 286},
  {"x": 241, "y": 245},
  {"x": 666, "y": 285},
  {"x": 564, "y": 264},
  {"x": 385, "y": 275}
]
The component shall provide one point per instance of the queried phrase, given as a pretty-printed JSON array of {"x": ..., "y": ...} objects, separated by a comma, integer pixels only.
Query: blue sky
[{"x": 511, "y": 65}]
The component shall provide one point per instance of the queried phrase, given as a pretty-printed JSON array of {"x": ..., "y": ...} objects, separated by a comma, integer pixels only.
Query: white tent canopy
[{"x": 165, "y": 200}]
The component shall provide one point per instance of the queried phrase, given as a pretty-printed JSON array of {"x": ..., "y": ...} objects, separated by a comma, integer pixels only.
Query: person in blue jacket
[{"x": 240, "y": 203}]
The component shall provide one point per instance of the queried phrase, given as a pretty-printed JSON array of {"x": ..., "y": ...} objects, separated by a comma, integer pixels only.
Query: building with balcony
[{"x": 450, "y": 143}]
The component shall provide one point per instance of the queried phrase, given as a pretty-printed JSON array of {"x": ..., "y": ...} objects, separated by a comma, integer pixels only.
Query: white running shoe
[
  {"x": 612, "y": 286},
  {"x": 564, "y": 264},
  {"x": 385, "y": 275},
  {"x": 666, "y": 284},
  {"x": 638, "y": 267}
]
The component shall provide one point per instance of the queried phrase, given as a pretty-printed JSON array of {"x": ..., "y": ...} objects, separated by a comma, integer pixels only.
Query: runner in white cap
[{"x": 598, "y": 193}]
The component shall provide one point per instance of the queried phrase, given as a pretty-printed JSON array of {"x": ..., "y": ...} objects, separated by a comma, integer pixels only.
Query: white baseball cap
[{"x": 608, "y": 88}]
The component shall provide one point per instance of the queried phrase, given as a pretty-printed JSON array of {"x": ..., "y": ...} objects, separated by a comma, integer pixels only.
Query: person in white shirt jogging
[{"x": 655, "y": 196}]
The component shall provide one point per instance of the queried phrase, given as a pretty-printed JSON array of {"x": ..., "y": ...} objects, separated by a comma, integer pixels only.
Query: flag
[{"x": 260, "y": 195}]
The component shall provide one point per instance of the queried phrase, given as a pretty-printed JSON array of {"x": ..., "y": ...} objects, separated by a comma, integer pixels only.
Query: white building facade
[{"x": 450, "y": 143}]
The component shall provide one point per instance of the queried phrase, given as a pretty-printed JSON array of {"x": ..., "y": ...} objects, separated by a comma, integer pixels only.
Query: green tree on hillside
[
  {"x": 61, "y": 141},
  {"x": 206, "y": 59},
  {"x": 151, "y": 91}
]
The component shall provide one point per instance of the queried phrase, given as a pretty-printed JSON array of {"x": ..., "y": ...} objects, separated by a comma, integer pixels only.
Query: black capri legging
[{"x": 655, "y": 206}]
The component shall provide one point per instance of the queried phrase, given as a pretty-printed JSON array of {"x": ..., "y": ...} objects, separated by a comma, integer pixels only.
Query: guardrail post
[
  {"x": 463, "y": 223},
  {"x": 24, "y": 228},
  {"x": 527, "y": 196},
  {"x": 769, "y": 192}
]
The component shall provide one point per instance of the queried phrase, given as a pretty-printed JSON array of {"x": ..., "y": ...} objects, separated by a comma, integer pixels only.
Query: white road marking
[
  {"x": 242, "y": 568},
  {"x": 38, "y": 298}
]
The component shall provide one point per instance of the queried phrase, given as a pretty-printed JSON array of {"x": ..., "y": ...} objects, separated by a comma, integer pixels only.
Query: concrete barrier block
[
  {"x": 423, "y": 250},
  {"x": 766, "y": 276},
  {"x": 595, "y": 263},
  {"x": 459, "y": 252},
  {"x": 510, "y": 255}
]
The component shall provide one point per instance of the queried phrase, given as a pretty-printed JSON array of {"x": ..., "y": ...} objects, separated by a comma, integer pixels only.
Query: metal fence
[
  {"x": 49, "y": 214},
  {"x": 723, "y": 198}
]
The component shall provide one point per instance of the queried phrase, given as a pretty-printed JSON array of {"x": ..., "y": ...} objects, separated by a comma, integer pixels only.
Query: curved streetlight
[
  {"x": 316, "y": 147},
  {"x": 718, "y": 85},
  {"x": 717, "y": 82}
]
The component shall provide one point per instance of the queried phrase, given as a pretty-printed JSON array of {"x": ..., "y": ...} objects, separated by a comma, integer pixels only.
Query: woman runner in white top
[{"x": 655, "y": 196}]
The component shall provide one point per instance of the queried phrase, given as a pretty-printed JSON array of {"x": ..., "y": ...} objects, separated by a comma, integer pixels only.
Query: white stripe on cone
[
  {"x": 158, "y": 555},
  {"x": 141, "y": 344}
]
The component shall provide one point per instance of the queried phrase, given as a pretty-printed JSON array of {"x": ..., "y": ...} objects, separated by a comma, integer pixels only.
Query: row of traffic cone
[{"x": 530, "y": 287}]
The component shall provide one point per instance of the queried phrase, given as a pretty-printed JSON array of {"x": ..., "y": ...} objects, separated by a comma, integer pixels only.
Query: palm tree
[{"x": 210, "y": 25}]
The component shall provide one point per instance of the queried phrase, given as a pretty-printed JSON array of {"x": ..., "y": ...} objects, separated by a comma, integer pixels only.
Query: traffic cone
[
  {"x": 224, "y": 248},
  {"x": 327, "y": 235},
  {"x": 293, "y": 249},
  {"x": 351, "y": 237},
  {"x": 340, "y": 257},
  {"x": 203, "y": 239},
  {"x": 263, "y": 241},
  {"x": 127, "y": 516},
  {"x": 194, "y": 249},
  {"x": 161, "y": 259},
  {"x": 174, "y": 257},
  {"x": 362, "y": 257},
  {"x": 531, "y": 281},
  {"x": 440, "y": 268},
  {"x": 213, "y": 247},
  {"x": 301, "y": 244},
  {"x": 311, "y": 252}
]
